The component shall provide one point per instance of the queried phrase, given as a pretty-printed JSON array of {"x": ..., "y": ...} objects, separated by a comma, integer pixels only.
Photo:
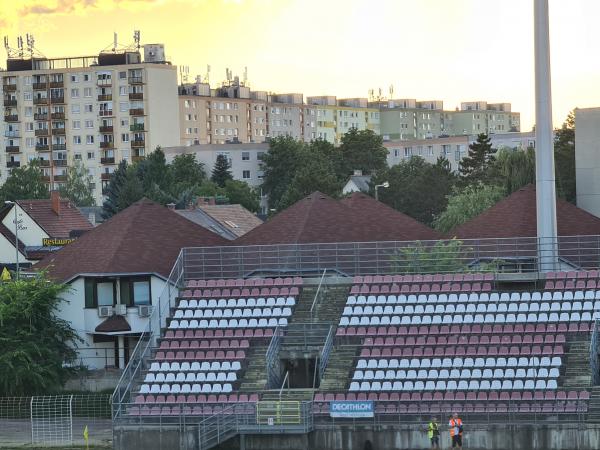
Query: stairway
[
  {"x": 577, "y": 372},
  {"x": 328, "y": 308},
  {"x": 255, "y": 375},
  {"x": 299, "y": 395},
  {"x": 339, "y": 368},
  {"x": 594, "y": 406}
]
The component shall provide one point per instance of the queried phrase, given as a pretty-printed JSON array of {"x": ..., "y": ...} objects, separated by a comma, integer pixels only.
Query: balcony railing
[
  {"x": 136, "y": 80},
  {"x": 107, "y": 160},
  {"x": 12, "y": 133},
  {"x": 136, "y": 96},
  {"x": 105, "y": 176},
  {"x": 46, "y": 178},
  {"x": 105, "y": 97},
  {"x": 57, "y": 99},
  {"x": 107, "y": 144},
  {"x": 58, "y": 178},
  {"x": 40, "y": 86},
  {"x": 58, "y": 115},
  {"x": 106, "y": 128},
  {"x": 58, "y": 131},
  {"x": 106, "y": 113},
  {"x": 136, "y": 127},
  {"x": 138, "y": 143},
  {"x": 40, "y": 116},
  {"x": 41, "y": 132},
  {"x": 40, "y": 100},
  {"x": 42, "y": 147},
  {"x": 12, "y": 164},
  {"x": 44, "y": 162},
  {"x": 104, "y": 82},
  {"x": 57, "y": 84},
  {"x": 59, "y": 146},
  {"x": 10, "y": 102},
  {"x": 136, "y": 112},
  {"x": 11, "y": 118},
  {"x": 136, "y": 158},
  {"x": 9, "y": 87},
  {"x": 12, "y": 149},
  {"x": 59, "y": 162}
]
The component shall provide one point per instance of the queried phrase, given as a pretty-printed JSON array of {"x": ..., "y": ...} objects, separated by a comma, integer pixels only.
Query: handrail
[
  {"x": 594, "y": 354},
  {"x": 271, "y": 360},
  {"x": 317, "y": 293},
  {"x": 286, "y": 378},
  {"x": 325, "y": 352}
]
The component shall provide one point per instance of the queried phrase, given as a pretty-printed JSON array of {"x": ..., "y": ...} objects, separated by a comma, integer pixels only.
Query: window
[
  {"x": 74, "y": 93},
  {"x": 30, "y": 142},
  {"x": 260, "y": 156},
  {"x": 76, "y": 140},
  {"x": 27, "y": 95},
  {"x": 246, "y": 174},
  {"x": 105, "y": 292},
  {"x": 28, "y": 126},
  {"x": 88, "y": 108},
  {"x": 91, "y": 155},
  {"x": 123, "y": 106},
  {"x": 76, "y": 124},
  {"x": 77, "y": 156},
  {"x": 74, "y": 78},
  {"x": 245, "y": 156},
  {"x": 28, "y": 111},
  {"x": 122, "y": 75},
  {"x": 123, "y": 90},
  {"x": 135, "y": 291},
  {"x": 124, "y": 137},
  {"x": 86, "y": 77},
  {"x": 89, "y": 139},
  {"x": 75, "y": 108},
  {"x": 89, "y": 124},
  {"x": 87, "y": 92}
]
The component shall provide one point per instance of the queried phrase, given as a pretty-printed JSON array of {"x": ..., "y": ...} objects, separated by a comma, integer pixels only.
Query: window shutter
[
  {"x": 89, "y": 293},
  {"x": 126, "y": 292}
]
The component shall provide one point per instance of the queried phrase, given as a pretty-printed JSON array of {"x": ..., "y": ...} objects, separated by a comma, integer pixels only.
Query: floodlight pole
[
  {"x": 544, "y": 154},
  {"x": 14, "y": 205}
]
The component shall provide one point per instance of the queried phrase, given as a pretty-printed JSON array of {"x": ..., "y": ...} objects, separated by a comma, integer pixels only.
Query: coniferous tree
[
  {"x": 475, "y": 166},
  {"x": 221, "y": 173},
  {"x": 110, "y": 207}
]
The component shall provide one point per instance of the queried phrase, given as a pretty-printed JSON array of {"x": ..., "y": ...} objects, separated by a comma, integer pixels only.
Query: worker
[
  {"x": 456, "y": 431},
  {"x": 433, "y": 432}
]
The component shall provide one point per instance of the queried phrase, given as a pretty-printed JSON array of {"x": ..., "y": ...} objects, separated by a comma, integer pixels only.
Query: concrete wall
[{"x": 587, "y": 159}]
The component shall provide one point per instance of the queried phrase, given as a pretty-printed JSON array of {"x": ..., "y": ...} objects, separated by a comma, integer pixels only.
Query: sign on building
[{"x": 351, "y": 409}]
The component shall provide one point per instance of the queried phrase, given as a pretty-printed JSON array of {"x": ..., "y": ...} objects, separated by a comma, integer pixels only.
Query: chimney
[
  {"x": 55, "y": 198},
  {"x": 357, "y": 173},
  {"x": 171, "y": 206},
  {"x": 212, "y": 201}
]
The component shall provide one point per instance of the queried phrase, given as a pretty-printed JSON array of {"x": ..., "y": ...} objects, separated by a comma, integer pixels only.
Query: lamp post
[
  {"x": 385, "y": 184},
  {"x": 8, "y": 202}
]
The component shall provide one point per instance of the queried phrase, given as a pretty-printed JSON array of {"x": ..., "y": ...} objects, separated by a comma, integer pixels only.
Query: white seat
[
  {"x": 397, "y": 386},
  {"x": 354, "y": 386},
  {"x": 376, "y": 386},
  {"x": 540, "y": 384}
]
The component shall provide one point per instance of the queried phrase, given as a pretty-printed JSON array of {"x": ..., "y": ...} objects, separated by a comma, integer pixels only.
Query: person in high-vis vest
[
  {"x": 456, "y": 431},
  {"x": 433, "y": 432}
]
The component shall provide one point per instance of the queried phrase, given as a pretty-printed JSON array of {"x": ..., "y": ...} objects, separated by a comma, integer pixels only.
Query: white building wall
[
  {"x": 587, "y": 159},
  {"x": 30, "y": 233}
]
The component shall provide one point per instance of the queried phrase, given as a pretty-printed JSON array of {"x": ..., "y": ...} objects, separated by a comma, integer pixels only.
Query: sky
[{"x": 451, "y": 50}]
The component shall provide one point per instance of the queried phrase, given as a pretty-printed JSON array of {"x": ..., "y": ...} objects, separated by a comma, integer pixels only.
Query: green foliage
[
  {"x": 35, "y": 355},
  {"x": 438, "y": 257},
  {"x": 25, "y": 183},
  {"x": 417, "y": 188},
  {"x": 564, "y": 158},
  {"x": 239, "y": 192},
  {"x": 221, "y": 173},
  {"x": 77, "y": 187},
  {"x": 111, "y": 205},
  {"x": 514, "y": 169},
  {"x": 361, "y": 150},
  {"x": 475, "y": 166},
  {"x": 467, "y": 203}
]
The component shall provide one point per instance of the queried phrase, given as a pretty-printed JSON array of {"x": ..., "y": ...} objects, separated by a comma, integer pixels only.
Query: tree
[
  {"x": 221, "y": 172},
  {"x": 153, "y": 171},
  {"x": 124, "y": 188},
  {"x": 361, "y": 150},
  {"x": 475, "y": 166},
  {"x": 564, "y": 158},
  {"x": 467, "y": 203},
  {"x": 417, "y": 188},
  {"x": 513, "y": 169},
  {"x": 25, "y": 183},
  {"x": 36, "y": 355},
  {"x": 77, "y": 187},
  {"x": 239, "y": 192},
  {"x": 185, "y": 170},
  {"x": 132, "y": 190}
]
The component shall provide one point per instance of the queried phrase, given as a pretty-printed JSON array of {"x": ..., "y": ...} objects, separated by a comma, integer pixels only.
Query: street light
[
  {"x": 385, "y": 184},
  {"x": 8, "y": 202}
]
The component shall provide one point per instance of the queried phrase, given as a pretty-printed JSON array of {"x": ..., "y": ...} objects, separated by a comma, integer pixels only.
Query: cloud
[{"x": 42, "y": 7}]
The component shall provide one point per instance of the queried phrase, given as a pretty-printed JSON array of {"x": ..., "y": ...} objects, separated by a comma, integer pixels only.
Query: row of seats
[
  {"x": 244, "y": 292},
  {"x": 200, "y": 355},
  {"x": 459, "y": 318},
  {"x": 580, "y": 284},
  {"x": 195, "y": 366},
  {"x": 456, "y": 374},
  {"x": 232, "y": 313},
  {"x": 228, "y": 323},
  {"x": 190, "y": 377},
  {"x": 427, "y": 278},
  {"x": 458, "y": 363},
  {"x": 494, "y": 297},
  {"x": 205, "y": 388},
  {"x": 452, "y": 385},
  {"x": 494, "y": 339},
  {"x": 462, "y": 351},
  {"x": 213, "y": 344},
  {"x": 185, "y": 410},
  {"x": 416, "y": 288},
  {"x": 202, "y": 398},
  {"x": 465, "y": 329},
  {"x": 237, "y": 302},
  {"x": 216, "y": 333},
  {"x": 481, "y": 396},
  {"x": 245, "y": 282},
  {"x": 583, "y": 274}
]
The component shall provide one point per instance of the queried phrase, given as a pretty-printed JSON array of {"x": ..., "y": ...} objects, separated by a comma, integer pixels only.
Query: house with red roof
[{"x": 117, "y": 273}]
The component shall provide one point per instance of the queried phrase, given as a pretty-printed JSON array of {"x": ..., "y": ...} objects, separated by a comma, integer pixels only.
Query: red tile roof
[
  {"x": 515, "y": 216},
  {"x": 144, "y": 238},
  {"x": 56, "y": 225},
  {"x": 318, "y": 218}
]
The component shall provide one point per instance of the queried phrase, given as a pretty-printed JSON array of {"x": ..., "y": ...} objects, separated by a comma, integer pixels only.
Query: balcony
[
  {"x": 13, "y": 164},
  {"x": 40, "y": 86},
  {"x": 60, "y": 178},
  {"x": 136, "y": 96},
  {"x": 59, "y": 163},
  {"x": 44, "y": 162},
  {"x": 104, "y": 82},
  {"x": 59, "y": 146},
  {"x": 11, "y": 118},
  {"x": 57, "y": 99},
  {"x": 58, "y": 115},
  {"x": 104, "y": 144},
  {"x": 136, "y": 112},
  {"x": 136, "y": 80},
  {"x": 137, "y": 158},
  {"x": 9, "y": 87},
  {"x": 40, "y": 116},
  {"x": 106, "y": 128},
  {"x": 57, "y": 84},
  {"x": 42, "y": 147},
  {"x": 107, "y": 160},
  {"x": 12, "y": 133},
  {"x": 41, "y": 132},
  {"x": 12, "y": 149},
  {"x": 40, "y": 100},
  {"x": 105, "y": 176},
  {"x": 10, "y": 102},
  {"x": 58, "y": 131},
  {"x": 137, "y": 143},
  {"x": 136, "y": 127},
  {"x": 106, "y": 113},
  {"x": 105, "y": 98},
  {"x": 46, "y": 178}
]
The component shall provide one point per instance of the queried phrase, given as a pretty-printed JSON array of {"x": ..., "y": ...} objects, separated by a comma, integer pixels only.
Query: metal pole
[
  {"x": 16, "y": 238},
  {"x": 377, "y": 193},
  {"x": 544, "y": 159}
]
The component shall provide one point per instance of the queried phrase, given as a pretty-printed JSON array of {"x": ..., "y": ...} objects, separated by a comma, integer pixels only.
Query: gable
[{"x": 30, "y": 233}]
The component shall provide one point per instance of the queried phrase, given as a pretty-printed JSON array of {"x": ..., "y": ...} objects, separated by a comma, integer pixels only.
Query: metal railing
[
  {"x": 595, "y": 367},
  {"x": 325, "y": 352},
  {"x": 286, "y": 379},
  {"x": 318, "y": 296},
  {"x": 394, "y": 257},
  {"x": 272, "y": 359}
]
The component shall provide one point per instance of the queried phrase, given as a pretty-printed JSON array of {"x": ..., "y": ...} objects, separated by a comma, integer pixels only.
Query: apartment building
[
  {"x": 94, "y": 109},
  {"x": 587, "y": 160}
]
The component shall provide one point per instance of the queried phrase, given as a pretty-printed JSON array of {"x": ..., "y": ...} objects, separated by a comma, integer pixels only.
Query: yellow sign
[
  {"x": 86, "y": 436},
  {"x": 56, "y": 242},
  {"x": 5, "y": 275}
]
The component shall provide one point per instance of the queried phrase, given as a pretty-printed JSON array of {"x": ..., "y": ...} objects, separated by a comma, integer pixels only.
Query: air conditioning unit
[
  {"x": 121, "y": 310},
  {"x": 144, "y": 310},
  {"x": 105, "y": 311}
]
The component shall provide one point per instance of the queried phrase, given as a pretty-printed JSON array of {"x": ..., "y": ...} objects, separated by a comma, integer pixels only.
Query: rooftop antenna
[
  {"x": 115, "y": 43},
  {"x": 20, "y": 45},
  {"x": 371, "y": 94},
  {"x": 391, "y": 91},
  {"x": 30, "y": 44},
  {"x": 136, "y": 38},
  {"x": 245, "y": 75},
  {"x": 207, "y": 79}
]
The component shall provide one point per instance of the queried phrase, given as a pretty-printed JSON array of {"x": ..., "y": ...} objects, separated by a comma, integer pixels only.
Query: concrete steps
[
  {"x": 254, "y": 378},
  {"x": 328, "y": 308},
  {"x": 576, "y": 373},
  {"x": 339, "y": 368},
  {"x": 300, "y": 395},
  {"x": 594, "y": 406}
]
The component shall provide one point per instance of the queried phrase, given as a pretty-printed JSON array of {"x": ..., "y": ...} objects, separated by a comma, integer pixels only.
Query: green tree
[
  {"x": 221, "y": 172},
  {"x": 124, "y": 188},
  {"x": 185, "y": 170},
  {"x": 153, "y": 171},
  {"x": 239, "y": 192},
  {"x": 417, "y": 188},
  {"x": 513, "y": 169},
  {"x": 25, "y": 183},
  {"x": 132, "y": 190},
  {"x": 279, "y": 165},
  {"x": 441, "y": 257},
  {"x": 36, "y": 356},
  {"x": 564, "y": 159},
  {"x": 475, "y": 166},
  {"x": 77, "y": 188},
  {"x": 467, "y": 203},
  {"x": 361, "y": 150}
]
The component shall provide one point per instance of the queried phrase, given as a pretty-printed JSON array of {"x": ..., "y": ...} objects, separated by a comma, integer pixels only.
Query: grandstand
[{"x": 260, "y": 360}]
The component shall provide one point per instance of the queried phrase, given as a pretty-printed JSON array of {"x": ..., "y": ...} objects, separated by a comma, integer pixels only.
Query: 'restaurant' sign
[{"x": 56, "y": 242}]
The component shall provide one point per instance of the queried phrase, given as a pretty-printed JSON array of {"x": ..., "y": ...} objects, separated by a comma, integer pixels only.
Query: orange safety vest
[{"x": 454, "y": 424}]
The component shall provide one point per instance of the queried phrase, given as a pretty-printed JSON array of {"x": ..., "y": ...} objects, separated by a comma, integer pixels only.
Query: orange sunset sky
[{"x": 451, "y": 50}]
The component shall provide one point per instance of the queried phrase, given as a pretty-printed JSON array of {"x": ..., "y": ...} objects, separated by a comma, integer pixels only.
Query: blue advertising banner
[{"x": 351, "y": 409}]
